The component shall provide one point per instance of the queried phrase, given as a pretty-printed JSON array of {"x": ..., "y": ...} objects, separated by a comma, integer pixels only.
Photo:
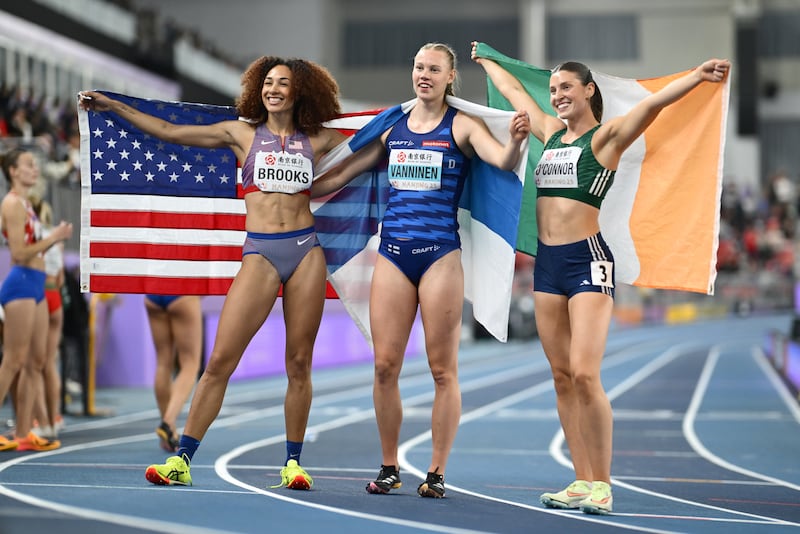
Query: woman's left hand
[
  {"x": 520, "y": 126},
  {"x": 714, "y": 70}
]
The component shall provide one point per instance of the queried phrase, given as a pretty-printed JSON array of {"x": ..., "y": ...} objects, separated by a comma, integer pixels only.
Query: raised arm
[
  {"x": 618, "y": 133},
  {"x": 542, "y": 125},
  {"x": 487, "y": 147},
  {"x": 216, "y": 135}
]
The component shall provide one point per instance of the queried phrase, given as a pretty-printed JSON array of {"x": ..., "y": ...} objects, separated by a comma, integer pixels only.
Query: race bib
[
  {"x": 603, "y": 273},
  {"x": 558, "y": 167},
  {"x": 415, "y": 170},
  {"x": 281, "y": 172}
]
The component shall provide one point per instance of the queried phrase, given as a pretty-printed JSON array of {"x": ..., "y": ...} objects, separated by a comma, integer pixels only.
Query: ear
[{"x": 590, "y": 89}]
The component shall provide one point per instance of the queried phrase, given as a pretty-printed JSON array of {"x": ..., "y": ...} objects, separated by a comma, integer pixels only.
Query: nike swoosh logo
[
  {"x": 267, "y": 142},
  {"x": 303, "y": 241}
]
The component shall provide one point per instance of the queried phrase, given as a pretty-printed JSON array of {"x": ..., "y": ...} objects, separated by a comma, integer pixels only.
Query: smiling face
[
  {"x": 277, "y": 92},
  {"x": 568, "y": 95},
  {"x": 432, "y": 73}
]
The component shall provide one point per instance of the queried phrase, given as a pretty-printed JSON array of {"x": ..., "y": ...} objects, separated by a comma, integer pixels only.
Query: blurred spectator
[
  {"x": 18, "y": 124},
  {"x": 733, "y": 208}
]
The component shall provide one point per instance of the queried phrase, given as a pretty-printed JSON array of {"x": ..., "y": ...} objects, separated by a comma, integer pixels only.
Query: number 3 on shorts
[{"x": 602, "y": 273}]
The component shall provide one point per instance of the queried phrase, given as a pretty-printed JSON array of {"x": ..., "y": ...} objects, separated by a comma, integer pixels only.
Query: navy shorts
[
  {"x": 413, "y": 256},
  {"x": 23, "y": 283},
  {"x": 573, "y": 268},
  {"x": 285, "y": 250},
  {"x": 162, "y": 301}
]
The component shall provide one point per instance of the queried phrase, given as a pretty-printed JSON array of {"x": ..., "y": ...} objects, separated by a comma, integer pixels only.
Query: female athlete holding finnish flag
[
  {"x": 573, "y": 280},
  {"x": 419, "y": 259}
]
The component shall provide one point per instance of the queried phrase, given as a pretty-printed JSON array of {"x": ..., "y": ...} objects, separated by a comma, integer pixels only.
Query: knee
[
  {"x": 562, "y": 381},
  {"x": 298, "y": 365},
  {"x": 443, "y": 375},
  {"x": 386, "y": 372},
  {"x": 36, "y": 362},
  {"x": 219, "y": 367}
]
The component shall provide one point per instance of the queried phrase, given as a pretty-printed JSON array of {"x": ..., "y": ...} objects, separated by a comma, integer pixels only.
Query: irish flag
[{"x": 661, "y": 216}]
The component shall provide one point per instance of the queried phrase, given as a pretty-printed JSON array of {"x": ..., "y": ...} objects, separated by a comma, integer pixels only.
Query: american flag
[
  {"x": 169, "y": 219},
  {"x": 158, "y": 217}
]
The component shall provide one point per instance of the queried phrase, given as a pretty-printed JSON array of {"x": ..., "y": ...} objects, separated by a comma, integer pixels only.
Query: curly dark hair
[{"x": 316, "y": 93}]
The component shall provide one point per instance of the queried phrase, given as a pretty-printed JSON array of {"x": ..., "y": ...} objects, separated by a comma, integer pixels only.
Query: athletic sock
[
  {"x": 187, "y": 446},
  {"x": 293, "y": 450}
]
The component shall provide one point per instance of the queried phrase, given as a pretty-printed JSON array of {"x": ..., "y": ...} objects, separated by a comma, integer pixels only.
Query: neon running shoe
[
  {"x": 432, "y": 487},
  {"x": 388, "y": 479},
  {"x": 600, "y": 502},
  {"x": 568, "y": 498},
  {"x": 167, "y": 437},
  {"x": 175, "y": 472},
  {"x": 294, "y": 477},
  {"x": 7, "y": 444},
  {"x": 32, "y": 442}
]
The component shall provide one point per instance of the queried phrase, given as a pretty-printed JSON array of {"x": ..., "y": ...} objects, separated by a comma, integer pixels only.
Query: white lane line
[
  {"x": 634, "y": 379},
  {"x": 697, "y": 445},
  {"x": 105, "y": 517},
  {"x": 777, "y": 382},
  {"x": 223, "y": 470},
  {"x": 631, "y": 381},
  {"x": 624, "y": 386},
  {"x": 423, "y": 376},
  {"x": 637, "y": 378}
]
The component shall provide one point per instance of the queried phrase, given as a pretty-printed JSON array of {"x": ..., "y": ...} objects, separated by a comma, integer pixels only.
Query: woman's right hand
[
  {"x": 473, "y": 53},
  {"x": 93, "y": 101}
]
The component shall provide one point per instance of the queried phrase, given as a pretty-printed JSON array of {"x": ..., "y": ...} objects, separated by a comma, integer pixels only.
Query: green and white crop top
[{"x": 571, "y": 170}]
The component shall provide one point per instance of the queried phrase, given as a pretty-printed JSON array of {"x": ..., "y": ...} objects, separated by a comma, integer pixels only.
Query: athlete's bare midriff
[
  {"x": 270, "y": 213},
  {"x": 564, "y": 220}
]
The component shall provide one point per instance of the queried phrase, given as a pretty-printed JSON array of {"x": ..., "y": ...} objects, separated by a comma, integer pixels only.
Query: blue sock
[
  {"x": 187, "y": 445},
  {"x": 293, "y": 450}
]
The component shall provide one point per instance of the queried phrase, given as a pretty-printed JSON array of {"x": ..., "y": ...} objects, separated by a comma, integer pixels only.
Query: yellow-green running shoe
[
  {"x": 600, "y": 502},
  {"x": 175, "y": 472},
  {"x": 294, "y": 477},
  {"x": 8, "y": 444},
  {"x": 568, "y": 498}
]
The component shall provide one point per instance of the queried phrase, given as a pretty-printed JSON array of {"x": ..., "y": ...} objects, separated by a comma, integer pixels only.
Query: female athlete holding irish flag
[{"x": 574, "y": 272}]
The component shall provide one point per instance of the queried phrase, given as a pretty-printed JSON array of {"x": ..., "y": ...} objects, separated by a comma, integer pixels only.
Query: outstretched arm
[
  {"x": 206, "y": 136},
  {"x": 542, "y": 125},
  {"x": 341, "y": 174},
  {"x": 622, "y": 131}
]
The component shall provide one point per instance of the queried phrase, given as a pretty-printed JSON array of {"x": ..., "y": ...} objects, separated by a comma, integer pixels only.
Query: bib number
[
  {"x": 415, "y": 170},
  {"x": 602, "y": 273},
  {"x": 558, "y": 167},
  {"x": 279, "y": 172}
]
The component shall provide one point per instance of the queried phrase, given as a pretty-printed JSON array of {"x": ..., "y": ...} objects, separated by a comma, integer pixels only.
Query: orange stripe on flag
[{"x": 680, "y": 178}]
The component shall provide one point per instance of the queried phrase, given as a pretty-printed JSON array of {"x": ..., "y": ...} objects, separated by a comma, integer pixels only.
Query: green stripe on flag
[{"x": 537, "y": 82}]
